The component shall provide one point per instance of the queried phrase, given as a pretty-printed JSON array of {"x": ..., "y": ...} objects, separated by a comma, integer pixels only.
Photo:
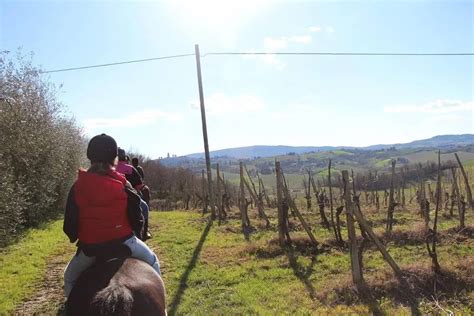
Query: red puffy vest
[{"x": 102, "y": 204}]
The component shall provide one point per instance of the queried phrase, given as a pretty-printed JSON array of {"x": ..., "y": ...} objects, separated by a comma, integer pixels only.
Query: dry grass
[{"x": 450, "y": 288}]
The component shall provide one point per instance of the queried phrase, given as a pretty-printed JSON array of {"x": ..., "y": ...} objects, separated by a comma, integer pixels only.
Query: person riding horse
[
  {"x": 135, "y": 179},
  {"x": 100, "y": 213},
  {"x": 138, "y": 167}
]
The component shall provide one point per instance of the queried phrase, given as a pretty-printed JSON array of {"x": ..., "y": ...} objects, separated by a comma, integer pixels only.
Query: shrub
[{"x": 40, "y": 149}]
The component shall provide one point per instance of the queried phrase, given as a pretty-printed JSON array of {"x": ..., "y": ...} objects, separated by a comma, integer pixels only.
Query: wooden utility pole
[
  {"x": 470, "y": 202},
  {"x": 204, "y": 134}
]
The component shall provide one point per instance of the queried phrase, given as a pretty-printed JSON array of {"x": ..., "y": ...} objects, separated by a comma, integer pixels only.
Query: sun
[{"x": 222, "y": 15}]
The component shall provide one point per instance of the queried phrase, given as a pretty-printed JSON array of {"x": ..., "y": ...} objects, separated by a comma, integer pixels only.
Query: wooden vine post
[
  {"x": 336, "y": 226},
  {"x": 295, "y": 210},
  {"x": 466, "y": 183},
  {"x": 377, "y": 198},
  {"x": 356, "y": 268},
  {"x": 307, "y": 189},
  {"x": 204, "y": 193},
  {"x": 391, "y": 201},
  {"x": 282, "y": 219},
  {"x": 262, "y": 190},
  {"x": 242, "y": 202},
  {"x": 355, "y": 261},
  {"x": 257, "y": 198},
  {"x": 431, "y": 237},
  {"x": 458, "y": 198},
  {"x": 224, "y": 199},
  {"x": 219, "y": 195}
]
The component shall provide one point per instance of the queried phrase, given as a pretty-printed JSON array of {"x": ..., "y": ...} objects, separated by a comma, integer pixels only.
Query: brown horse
[{"x": 118, "y": 286}]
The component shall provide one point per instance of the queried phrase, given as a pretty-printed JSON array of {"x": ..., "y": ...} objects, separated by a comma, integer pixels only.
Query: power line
[
  {"x": 117, "y": 63},
  {"x": 340, "y": 54},
  {"x": 258, "y": 53}
]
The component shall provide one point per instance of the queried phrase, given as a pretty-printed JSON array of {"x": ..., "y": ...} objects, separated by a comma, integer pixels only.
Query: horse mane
[{"x": 115, "y": 299}]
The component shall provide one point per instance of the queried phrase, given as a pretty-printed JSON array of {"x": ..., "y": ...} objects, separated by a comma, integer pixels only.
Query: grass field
[{"x": 212, "y": 269}]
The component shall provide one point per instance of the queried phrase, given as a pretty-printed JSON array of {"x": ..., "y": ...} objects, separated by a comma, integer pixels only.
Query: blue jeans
[
  {"x": 145, "y": 209},
  {"x": 80, "y": 262}
]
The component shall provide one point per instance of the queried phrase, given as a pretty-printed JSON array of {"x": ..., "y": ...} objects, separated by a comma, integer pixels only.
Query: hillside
[
  {"x": 441, "y": 141},
  {"x": 296, "y": 165}
]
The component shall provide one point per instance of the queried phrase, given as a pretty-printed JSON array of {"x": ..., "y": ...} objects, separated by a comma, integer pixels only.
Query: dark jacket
[
  {"x": 130, "y": 173},
  {"x": 140, "y": 171}
]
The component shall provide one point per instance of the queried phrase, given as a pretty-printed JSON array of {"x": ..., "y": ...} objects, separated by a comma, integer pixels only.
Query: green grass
[
  {"x": 229, "y": 277},
  {"x": 341, "y": 152},
  {"x": 382, "y": 163},
  {"x": 468, "y": 163},
  {"x": 212, "y": 269},
  {"x": 22, "y": 265}
]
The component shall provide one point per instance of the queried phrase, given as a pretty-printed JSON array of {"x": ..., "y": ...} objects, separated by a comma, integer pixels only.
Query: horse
[
  {"x": 118, "y": 285},
  {"x": 144, "y": 192}
]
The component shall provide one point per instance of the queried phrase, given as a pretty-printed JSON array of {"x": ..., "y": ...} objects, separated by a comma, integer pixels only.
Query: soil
[{"x": 48, "y": 298}]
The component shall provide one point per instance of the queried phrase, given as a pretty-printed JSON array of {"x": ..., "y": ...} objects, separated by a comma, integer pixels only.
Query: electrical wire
[
  {"x": 116, "y": 63},
  {"x": 256, "y": 53},
  {"x": 340, "y": 54}
]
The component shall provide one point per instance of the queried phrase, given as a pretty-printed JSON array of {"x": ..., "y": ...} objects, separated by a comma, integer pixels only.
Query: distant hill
[
  {"x": 261, "y": 151},
  {"x": 441, "y": 141}
]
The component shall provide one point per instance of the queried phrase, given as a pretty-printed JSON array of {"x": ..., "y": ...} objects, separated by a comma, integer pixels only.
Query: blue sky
[{"x": 254, "y": 100}]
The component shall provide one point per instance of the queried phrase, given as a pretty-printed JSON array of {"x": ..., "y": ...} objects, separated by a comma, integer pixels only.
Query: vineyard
[
  {"x": 399, "y": 250},
  {"x": 280, "y": 228}
]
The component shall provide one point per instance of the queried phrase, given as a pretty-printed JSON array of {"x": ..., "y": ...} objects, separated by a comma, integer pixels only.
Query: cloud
[
  {"x": 318, "y": 29},
  {"x": 220, "y": 103},
  {"x": 140, "y": 118},
  {"x": 447, "y": 118},
  {"x": 315, "y": 29},
  {"x": 329, "y": 29},
  {"x": 302, "y": 39},
  {"x": 437, "y": 106},
  {"x": 276, "y": 44}
]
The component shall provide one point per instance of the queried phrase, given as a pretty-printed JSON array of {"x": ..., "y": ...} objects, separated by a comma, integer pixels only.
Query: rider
[
  {"x": 128, "y": 170},
  {"x": 135, "y": 179},
  {"x": 96, "y": 212},
  {"x": 138, "y": 167}
]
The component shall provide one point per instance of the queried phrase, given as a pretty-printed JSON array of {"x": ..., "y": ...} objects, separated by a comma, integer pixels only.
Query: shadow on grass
[
  {"x": 301, "y": 272},
  {"x": 184, "y": 277}
]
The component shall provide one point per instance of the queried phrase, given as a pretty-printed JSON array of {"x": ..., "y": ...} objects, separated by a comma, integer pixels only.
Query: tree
[{"x": 40, "y": 150}]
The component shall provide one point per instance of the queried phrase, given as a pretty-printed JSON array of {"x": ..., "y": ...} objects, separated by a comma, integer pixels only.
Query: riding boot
[{"x": 146, "y": 233}]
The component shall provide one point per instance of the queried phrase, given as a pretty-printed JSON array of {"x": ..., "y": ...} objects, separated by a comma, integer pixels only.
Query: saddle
[
  {"x": 97, "y": 277},
  {"x": 106, "y": 252},
  {"x": 115, "y": 252}
]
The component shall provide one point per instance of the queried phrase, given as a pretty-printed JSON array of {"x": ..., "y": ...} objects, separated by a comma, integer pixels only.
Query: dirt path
[{"x": 48, "y": 296}]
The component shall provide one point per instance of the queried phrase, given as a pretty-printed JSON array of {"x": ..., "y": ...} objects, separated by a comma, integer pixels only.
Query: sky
[{"x": 303, "y": 100}]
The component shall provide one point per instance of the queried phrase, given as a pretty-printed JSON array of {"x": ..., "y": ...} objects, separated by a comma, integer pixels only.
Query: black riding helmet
[
  {"x": 121, "y": 154},
  {"x": 102, "y": 148}
]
